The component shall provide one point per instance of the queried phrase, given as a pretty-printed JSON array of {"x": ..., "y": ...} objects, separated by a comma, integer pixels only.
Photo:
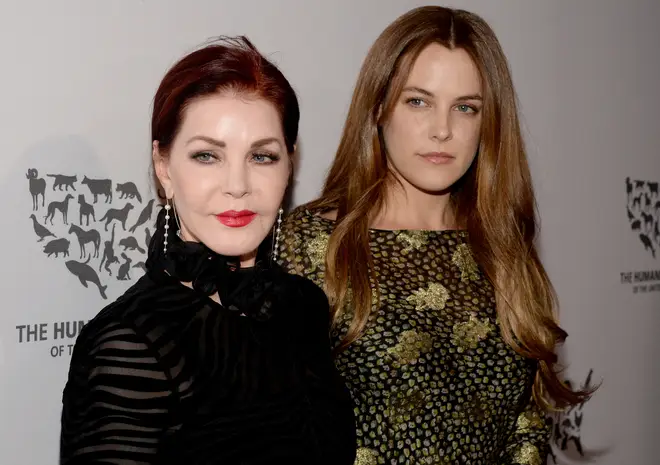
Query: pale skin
[
  {"x": 229, "y": 154},
  {"x": 439, "y": 111}
]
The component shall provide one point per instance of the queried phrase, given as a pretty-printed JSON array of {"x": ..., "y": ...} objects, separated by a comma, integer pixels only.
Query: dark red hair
[{"x": 227, "y": 64}]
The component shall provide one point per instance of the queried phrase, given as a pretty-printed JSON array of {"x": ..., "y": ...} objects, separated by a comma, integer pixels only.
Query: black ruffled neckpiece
[{"x": 252, "y": 292}]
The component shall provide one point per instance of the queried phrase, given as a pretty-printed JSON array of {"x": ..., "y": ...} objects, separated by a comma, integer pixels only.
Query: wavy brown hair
[{"x": 494, "y": 201}]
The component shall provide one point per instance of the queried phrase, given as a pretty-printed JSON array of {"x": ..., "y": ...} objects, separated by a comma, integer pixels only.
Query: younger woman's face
[
  {"x": 226, "y": 173},
  {"x": 433, "y": 133}
]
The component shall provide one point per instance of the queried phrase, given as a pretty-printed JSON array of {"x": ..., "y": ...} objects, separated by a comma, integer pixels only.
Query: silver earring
[
  {"x": 167, "y": 224},
  {"x": 278, "y": 230},
  {"x": 178, "y": 223}
]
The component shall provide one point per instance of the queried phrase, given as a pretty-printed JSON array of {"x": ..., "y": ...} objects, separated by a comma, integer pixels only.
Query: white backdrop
[{"x": 76, "y": 87}]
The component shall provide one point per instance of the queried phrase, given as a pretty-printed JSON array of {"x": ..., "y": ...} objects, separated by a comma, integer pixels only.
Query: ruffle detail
[{"x": 252, "y": 292}]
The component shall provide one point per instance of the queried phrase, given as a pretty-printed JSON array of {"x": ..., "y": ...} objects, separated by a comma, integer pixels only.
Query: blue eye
[
  {"x": 204, "y": 157},
  {"x": 264, "y": 158},
  {"x": 415, "y": 102},
  {"x": 463, "y": 108}
]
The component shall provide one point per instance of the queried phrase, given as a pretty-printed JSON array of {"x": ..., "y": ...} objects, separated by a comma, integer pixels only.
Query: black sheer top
[{"x": 165, "y": 375}]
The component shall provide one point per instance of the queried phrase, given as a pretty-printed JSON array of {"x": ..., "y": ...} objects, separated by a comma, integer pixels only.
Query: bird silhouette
[
  {"x": 145, "y": 215},
  {"x": 147, "y": 237},
  {"x": 40, "y": 230}
]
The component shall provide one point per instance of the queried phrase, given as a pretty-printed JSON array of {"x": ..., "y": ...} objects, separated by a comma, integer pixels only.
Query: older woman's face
[{"x": 227, "y": 172}]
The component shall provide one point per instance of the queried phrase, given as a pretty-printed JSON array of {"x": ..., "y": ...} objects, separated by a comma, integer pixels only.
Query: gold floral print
[
  {"x": 420, "y": 396},
  {"x": 528, "y": 421},
  {"x": 412, "y": 240},
  {"x": 527, "y": 454},
  {"x": 434, "y": 297},
  {"x": 317, "y": 249},
  {"x": 411, "y": 345},
  {"x": 365, "y": 456},
  {"x": 467, "y": 334},
  {"x": 463, "y": 259}
]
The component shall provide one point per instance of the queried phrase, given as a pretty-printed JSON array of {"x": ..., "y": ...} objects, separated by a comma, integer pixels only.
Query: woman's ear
[
  {"x": 161, "y": 167},
  {"x": 292, "y": 159}
]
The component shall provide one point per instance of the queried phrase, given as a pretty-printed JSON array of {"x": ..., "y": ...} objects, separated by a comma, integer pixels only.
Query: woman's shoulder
[
  {"x": 306, "y": 298},
  {"x": 143, "y": 309},
  {"x": 306, "y": 218},
  {"x": 304, "y": 288},
  {"x": 120, "y": 314}
]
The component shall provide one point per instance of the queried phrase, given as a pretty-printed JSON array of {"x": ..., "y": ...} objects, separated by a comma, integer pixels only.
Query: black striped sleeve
[{"x": 117, "y": 401}]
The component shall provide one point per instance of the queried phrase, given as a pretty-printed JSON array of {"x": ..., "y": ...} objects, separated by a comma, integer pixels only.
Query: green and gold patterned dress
[{"x": 432, "y": 379}]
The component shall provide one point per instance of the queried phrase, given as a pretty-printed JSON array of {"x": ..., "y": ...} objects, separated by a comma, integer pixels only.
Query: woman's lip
[
  {"x": 438, "y": 158},
  {"x": 236, "y": 214},
  {"x": 236, "y": 221}
]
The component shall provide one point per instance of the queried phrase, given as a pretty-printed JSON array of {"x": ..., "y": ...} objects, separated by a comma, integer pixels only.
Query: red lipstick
[{"x": 235, "y": 219}]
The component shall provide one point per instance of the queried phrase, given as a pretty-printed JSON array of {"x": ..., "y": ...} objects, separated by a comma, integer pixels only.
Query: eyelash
[
  {"x": 413, "y": 99},
  {"x": 474, "y": 110},
  {"x": 270, "y": 157}
]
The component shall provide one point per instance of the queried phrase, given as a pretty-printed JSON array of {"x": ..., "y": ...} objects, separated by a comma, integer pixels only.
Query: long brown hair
[{"x": 494, "y": 200}]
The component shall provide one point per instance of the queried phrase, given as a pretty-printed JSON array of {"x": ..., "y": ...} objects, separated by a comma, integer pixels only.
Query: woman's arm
[
  {"x": 530, "y": 442},
  {"x": 117, "y": 400},
  {"x": 331, "y": 400}
]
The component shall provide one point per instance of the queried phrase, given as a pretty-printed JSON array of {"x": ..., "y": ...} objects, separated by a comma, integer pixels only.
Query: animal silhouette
[
  {"x": 86, "y": 210},
  {"x": 636, "y": 225},
  {"x": 567, "y": 425},
  {"x": 639, "y": 184},
  {"x": 124, "y": 270},
  {"x": 631, "y": 215},
  {"x": 120, "y": 215},
  {"x": 57, "y": 247},
  {"x": 648, "y": 220},
  {"x": 99, "y": 187},
  {"x": 653, "y": 188},
  {"x": 629, "y": 188},
  {"x": 85, "y": 237},
  {"x": 145, "y": 215},
  {"x": 656, "y": 234},
  {"x": 656, "y": 207},
  {"x": 147, "y": 237},
  {"x": 40, "y": 230},
  {"x": 647, "y": 202},
  {"x": 86, "y": 274},
  {"x": 55, "y": 206},
  {"x": 637, "y": 201},
  {"x": 37, "y": 188},
  {"x": 128, "y": 190},
  {"x": 140, "y": 265},
  {"x": 646, "y": 241},
  {"x": 62, "y": 180},
  {"x": 109, "y": 253},
  {"x": 130, "y": 243}
]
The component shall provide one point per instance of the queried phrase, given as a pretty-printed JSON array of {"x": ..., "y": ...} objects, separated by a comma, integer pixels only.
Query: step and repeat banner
[{"x": 78, "y": 207}]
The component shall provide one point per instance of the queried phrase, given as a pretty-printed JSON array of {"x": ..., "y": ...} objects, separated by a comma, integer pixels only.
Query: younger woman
[{"x": 424, "y": 241}]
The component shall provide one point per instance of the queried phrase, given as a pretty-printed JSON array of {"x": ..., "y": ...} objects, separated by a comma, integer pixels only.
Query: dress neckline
[
  {"x": 331, "y": 223},
  {"x": 253, "y": 292}
]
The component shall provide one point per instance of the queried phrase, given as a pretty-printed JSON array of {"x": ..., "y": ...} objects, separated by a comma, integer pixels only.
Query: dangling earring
[
  {"x": 278, "y": 230},
  {"x": 176, "y": 218},
  {"x": 167, "y": 224}
]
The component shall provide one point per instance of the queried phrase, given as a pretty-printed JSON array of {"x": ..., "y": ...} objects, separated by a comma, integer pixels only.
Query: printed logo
[
  {"x": 643, "y": 205},
  {"x": 94, "y": 226},
  {"x": 567, "y": 425}
]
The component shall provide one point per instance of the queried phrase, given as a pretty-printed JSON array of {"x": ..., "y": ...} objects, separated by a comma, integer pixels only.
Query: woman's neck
[
  {"x": 247, "y": 260},
  {"x": 406, "y": 207}
]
